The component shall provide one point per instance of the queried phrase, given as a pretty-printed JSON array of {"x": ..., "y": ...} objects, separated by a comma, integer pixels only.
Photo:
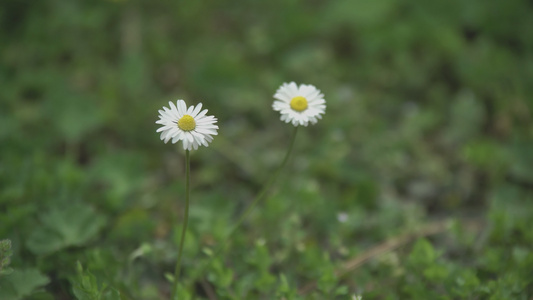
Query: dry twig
[{"x": 387, "y": 246}]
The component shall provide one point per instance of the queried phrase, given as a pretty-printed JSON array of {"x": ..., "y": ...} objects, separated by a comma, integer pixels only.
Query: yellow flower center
[
  {"x": 299, "y": 103},
  {"x": 186, "y": 123}
]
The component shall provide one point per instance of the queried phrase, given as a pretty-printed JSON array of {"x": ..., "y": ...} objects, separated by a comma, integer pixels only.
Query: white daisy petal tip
[
  {"x": 299, "y": 104},
  {"x": 179, "y": 123}
]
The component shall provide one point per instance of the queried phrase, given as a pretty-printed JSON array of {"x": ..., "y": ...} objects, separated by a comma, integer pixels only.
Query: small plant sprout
[
  {"x": 193, "y": 128},
  {"x": 299, "y": 105}
]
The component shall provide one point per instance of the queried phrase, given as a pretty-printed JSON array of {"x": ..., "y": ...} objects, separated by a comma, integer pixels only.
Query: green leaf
[
  {"x": 436, "y": 273},
  {"x": 111, "y": 294},
  {"x": 328, "y": 281},
  {"x": 7, "y": 290},
  {"x": 284, "y": 284},
  {"x": 86, "y": 287},
  {"x": 5, "y": 257},
  {"x": 284, "y": 290},
  {"x": 485, "y": 154},
  {"x": 341, "y": 290},
  {"x": 76, "y": 117},
  {"x": 220, "y": 275},
  {"x": 423, "y": 253},
  {"x": 21, "y": 283},
  {"x": 66, "y": 226},
  {"x": 182, "y": 293},
  {"x": 466, "y": 283}
]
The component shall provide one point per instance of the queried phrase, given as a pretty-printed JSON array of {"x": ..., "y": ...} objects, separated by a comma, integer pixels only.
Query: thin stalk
[
  {"x": 262, "y": 193},
  {"x": 185, "y": 222},
  {"x": 266, "y": 187}
]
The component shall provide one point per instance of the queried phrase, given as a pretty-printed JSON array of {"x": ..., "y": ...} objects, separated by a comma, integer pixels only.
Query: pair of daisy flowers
[{"x": 298, "y": 105}]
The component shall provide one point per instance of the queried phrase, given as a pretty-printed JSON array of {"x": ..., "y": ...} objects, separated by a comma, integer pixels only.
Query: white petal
[
  {"x": 201, "y": 135},
  {"x": 196, "y": 110},
  {"x": 182, "y": 107},
  {"x": 172, "y": 105},
  {"x": 189, "y": 110}
]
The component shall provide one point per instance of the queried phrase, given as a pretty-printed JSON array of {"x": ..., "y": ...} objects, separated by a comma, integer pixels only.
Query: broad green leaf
[
  {"x": 66, "y": 226},
  {"x": 423, "y": 253},
  {"x": 21, "y": 283}
]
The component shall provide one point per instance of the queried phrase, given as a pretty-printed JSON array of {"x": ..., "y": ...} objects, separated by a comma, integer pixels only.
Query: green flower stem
[
  {"x": 266, "y": 187},
  {"x": 185, "y": 221},
  {"x": 262, "y": 193}
]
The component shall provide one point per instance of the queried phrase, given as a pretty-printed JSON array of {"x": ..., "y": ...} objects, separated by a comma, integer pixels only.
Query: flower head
[
  {"x": 299, "y": 104},
  {"x": 190, "y": 125}
]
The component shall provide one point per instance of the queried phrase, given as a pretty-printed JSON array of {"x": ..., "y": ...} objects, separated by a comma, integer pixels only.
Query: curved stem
[
  {"x": 185, "y": 221},
  {"x": 266, "y": 187},
  {"x": 262, "y": 193}
]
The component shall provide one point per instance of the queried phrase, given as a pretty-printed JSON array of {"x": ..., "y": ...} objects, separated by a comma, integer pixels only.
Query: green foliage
[
  {"x": 261, "y": 261},
  {"x": 429, "y": 117},
  {"x": 5, "y": 257},
  {"x": 285, "y": 291},
  {"x": 86, "y": 287},
  {"x": 21, "y": 283},
  {"x": 72, "y": 225}
]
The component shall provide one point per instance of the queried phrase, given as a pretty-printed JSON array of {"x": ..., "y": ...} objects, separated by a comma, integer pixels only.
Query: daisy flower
[
  {"x": 299, "y": 104},
  {"x": 190, "y": 125}
]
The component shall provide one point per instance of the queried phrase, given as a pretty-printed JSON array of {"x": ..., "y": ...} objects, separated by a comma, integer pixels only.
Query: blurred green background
[{"x": 429, "y": 118}]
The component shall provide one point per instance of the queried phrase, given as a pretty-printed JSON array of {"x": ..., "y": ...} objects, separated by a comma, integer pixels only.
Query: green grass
[{"x": 417, "y": 183}]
